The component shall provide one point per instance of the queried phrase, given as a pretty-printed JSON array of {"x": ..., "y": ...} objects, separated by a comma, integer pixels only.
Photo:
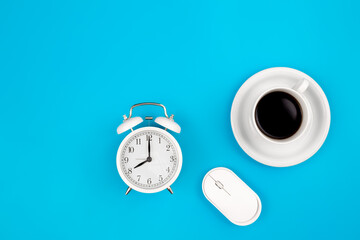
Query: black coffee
[{"x": 278, "y": 115}]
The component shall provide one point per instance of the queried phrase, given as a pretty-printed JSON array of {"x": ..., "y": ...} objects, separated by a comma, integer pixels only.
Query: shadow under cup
[{"x": 278, "y": 115}]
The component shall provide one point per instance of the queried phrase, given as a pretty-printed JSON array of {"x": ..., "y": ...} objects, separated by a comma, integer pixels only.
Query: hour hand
[{"x": 147, "y": 160}]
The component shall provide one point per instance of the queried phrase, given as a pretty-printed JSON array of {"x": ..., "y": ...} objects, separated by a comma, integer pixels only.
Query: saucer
[{"x": 278, "y": 153}]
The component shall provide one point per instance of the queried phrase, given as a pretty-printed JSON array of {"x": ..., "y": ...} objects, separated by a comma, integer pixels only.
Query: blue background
[{"x": 69, "y": 70}]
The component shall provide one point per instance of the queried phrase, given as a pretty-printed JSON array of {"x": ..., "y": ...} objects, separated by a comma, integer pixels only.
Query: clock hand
[
  {"x": 141, "y": 163},
  {"x": 149, "y": 147},
  {"x": 148, "y": 159}
]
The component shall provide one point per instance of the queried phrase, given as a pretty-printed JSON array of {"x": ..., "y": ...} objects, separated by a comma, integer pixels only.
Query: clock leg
[
  {"x": 170, "y": 190},
  {"x": 128, "y": 190}
]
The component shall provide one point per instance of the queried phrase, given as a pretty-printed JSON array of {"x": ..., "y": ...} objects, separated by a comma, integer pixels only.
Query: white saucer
[{"x": 272, "y": 153}]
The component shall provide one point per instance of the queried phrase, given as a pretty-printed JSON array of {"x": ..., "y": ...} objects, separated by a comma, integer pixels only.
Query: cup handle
[{"x": 301, "y": 86}]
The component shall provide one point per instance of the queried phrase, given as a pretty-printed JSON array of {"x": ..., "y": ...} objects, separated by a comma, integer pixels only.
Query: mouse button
[
  {"x": 211, "y": 189},
  {"x": 217, "y": 196},
  {"x": 219, "y": 173},
  {"x": 229, "y": 180}
]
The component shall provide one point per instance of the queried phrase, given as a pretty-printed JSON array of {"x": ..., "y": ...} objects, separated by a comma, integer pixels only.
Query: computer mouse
[{"x": 231, "y": 196}]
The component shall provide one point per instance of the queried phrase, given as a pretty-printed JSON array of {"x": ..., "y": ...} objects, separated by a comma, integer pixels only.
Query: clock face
[{"x": 149, "y": 159}]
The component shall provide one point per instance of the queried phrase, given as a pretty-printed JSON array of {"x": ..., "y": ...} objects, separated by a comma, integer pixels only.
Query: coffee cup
[{"x": 282, "y": 114}]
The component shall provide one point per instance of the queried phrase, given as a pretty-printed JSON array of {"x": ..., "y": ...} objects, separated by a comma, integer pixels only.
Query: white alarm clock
[{"x": 149, "y": 159}]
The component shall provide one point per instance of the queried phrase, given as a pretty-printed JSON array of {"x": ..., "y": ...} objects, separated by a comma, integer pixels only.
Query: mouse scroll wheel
[{"x": 219, "y": 184}]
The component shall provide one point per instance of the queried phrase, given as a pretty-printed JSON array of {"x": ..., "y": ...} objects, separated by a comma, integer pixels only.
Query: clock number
[
  {"x": 131, "y": 149},
  {"x": 138, "y": 141},
  {"x": 138, "y": 176},
  {"x": 172, "y": 158},
  {"x": 167, "y": 148},
  {"x": 130, "y": 171},
  {"x": 159, "y": 140},
  {"x": 148, "y": 137},
  {"x": 168, "y": 169},
  {"x": 149, "y": 181},
  {"x": 126, "y": 159},
  {"x": 160, "y": 178}
]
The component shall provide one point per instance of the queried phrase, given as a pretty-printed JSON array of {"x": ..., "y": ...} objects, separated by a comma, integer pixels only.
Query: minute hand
[{"x": 148, "y": 159}]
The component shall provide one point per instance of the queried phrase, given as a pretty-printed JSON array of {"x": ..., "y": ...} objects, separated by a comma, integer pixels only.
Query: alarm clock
[{"x": 149, "y": 159}]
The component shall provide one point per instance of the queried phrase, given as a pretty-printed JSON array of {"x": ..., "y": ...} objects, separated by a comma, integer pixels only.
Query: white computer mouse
[{"x": 231, "y": 196}]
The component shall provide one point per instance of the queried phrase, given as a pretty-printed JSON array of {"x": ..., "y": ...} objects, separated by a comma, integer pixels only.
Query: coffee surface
[{"x": 278, "y": 115}]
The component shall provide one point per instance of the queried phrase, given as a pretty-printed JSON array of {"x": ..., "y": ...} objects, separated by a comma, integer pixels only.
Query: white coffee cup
[{"x": 297, "y": 91}]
